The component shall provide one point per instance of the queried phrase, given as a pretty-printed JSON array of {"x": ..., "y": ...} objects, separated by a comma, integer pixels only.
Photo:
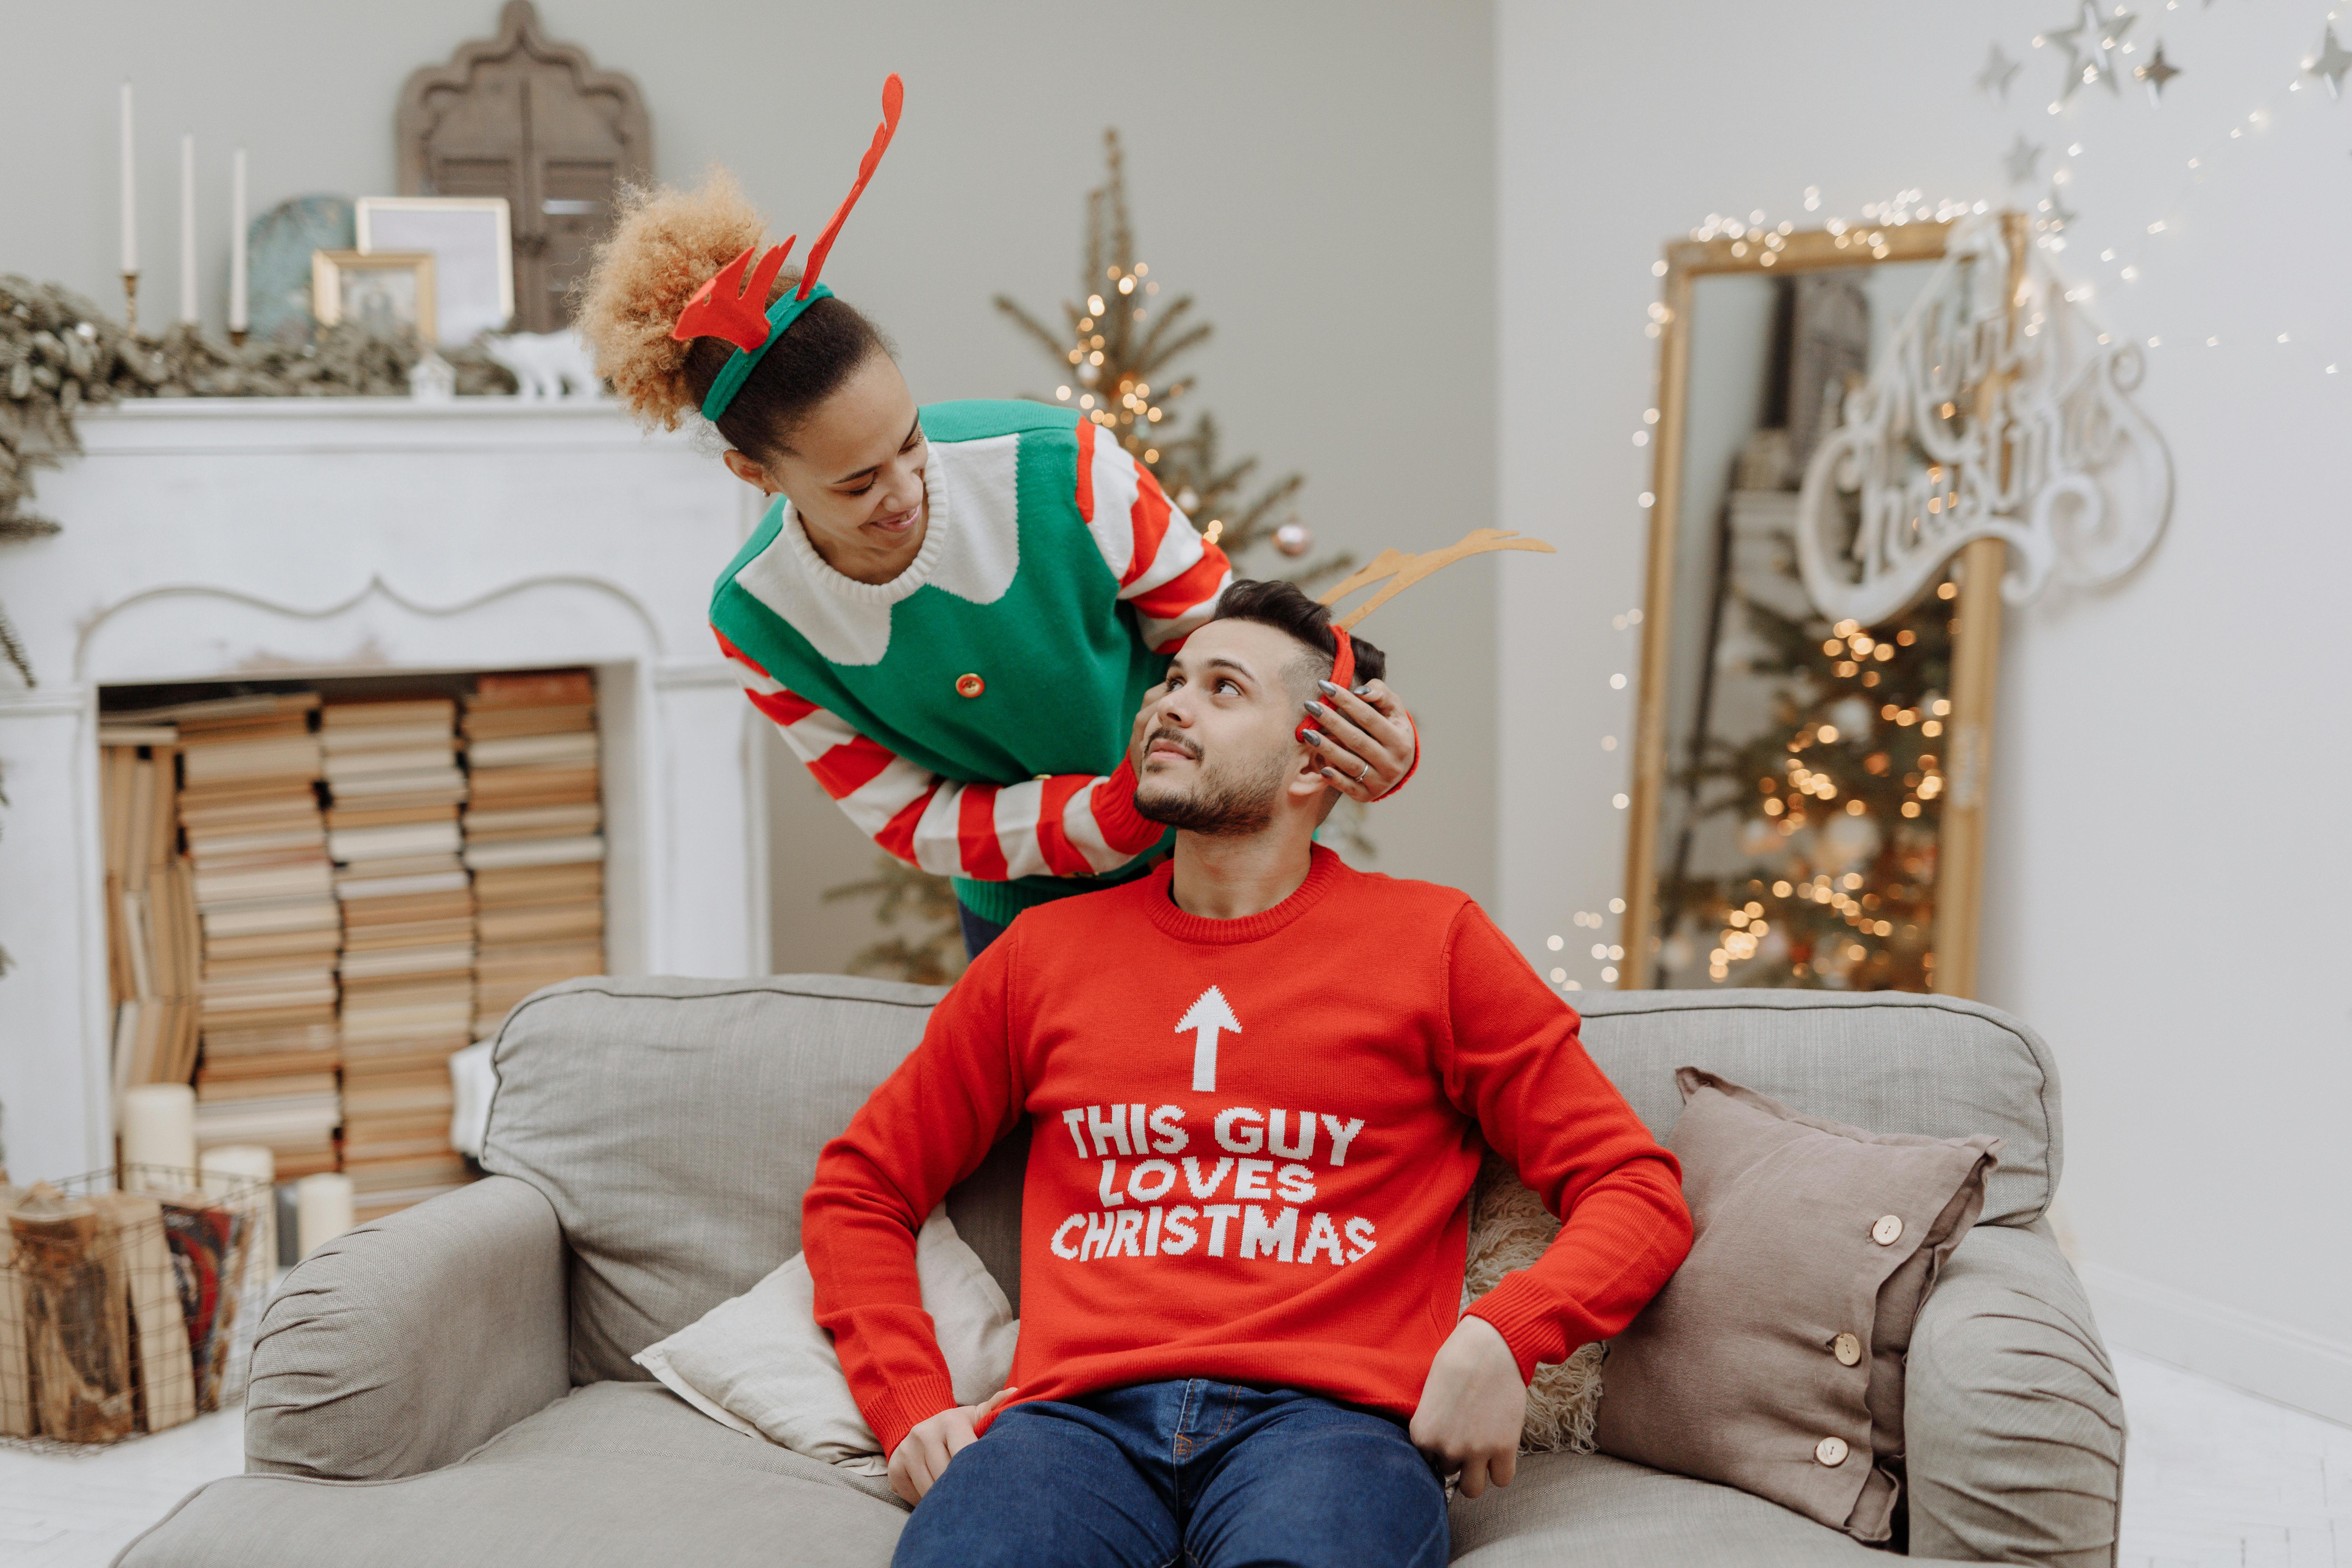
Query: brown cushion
[{"x": 1807, "y": 1231}]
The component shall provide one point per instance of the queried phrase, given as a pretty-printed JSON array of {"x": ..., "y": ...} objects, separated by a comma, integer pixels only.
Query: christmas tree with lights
[
  {"x": 1838, "y": 803},
  {"x": 1118, "y": 355}
]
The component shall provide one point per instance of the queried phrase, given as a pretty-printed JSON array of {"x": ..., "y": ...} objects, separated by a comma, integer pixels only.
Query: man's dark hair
[{"x": 1286, "y": 609}]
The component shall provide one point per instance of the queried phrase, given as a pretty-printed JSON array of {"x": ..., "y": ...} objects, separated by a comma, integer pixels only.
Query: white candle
[
  {"x": 188, "y": 226},
  {"x": 322, "y": 1209},
  {"x": 129, "y": 192},
  {"x": 236, "y": 285},
  {"x": 159, "y": 1129}
]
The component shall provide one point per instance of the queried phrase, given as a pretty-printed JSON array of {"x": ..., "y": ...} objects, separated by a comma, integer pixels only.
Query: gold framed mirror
[{"x": 1808, "y": 799}]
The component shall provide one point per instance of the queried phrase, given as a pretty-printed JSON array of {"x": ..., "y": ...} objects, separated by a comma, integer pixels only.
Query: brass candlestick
[
  {"x": 130, "y": 302},
  {"x": 237, "y": 337}
]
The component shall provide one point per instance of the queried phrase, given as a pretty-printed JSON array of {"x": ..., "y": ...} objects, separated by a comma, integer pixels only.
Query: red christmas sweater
[{"x": 1253, "y": 1146}]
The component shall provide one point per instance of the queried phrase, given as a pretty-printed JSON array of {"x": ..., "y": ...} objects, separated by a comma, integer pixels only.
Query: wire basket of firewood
[{"x": 127, "y": 1301}]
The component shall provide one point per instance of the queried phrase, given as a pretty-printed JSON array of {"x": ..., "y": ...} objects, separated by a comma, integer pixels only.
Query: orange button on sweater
[{"x": 1253, "y": 1146}]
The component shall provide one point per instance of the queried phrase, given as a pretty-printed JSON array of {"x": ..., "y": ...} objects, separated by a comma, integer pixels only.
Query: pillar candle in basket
[
  {"x": 322, "y": 1209},
  {"x": 159, "y": 1129}
]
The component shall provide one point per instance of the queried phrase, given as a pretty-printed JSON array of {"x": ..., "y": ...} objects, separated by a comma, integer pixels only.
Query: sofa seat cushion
[
  {"x": 1595, "y": 1511},
  {"x": 618, "y": 1474}
]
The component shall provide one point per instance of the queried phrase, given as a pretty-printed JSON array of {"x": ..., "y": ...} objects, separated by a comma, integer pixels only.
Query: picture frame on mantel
[
  {"x": 387, "y": 292},
  {"x": 472, "y": 243},
  {"x": 1764, "y": 337}
]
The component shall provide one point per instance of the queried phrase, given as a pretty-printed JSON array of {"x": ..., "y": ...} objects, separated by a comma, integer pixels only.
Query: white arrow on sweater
[{"x": 1206, "y": 1018}]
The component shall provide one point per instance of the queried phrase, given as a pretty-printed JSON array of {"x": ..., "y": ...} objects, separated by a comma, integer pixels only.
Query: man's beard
[{"x": 1217, "y": 805}]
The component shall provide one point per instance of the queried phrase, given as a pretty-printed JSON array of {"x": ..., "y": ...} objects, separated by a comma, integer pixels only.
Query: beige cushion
[
  {"x": 760, "y": 1364},
  {"x": 1773, "y": 1360},
  {"x": 1510, "y": 1230}
]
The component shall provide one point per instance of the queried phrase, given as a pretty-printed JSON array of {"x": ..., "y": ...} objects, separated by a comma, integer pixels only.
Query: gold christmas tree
[
  {"x": 1118, "y": 354},
  {"x": 1839, "y": 801}
]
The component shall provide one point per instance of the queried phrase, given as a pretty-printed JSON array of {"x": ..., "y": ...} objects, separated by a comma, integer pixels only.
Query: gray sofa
[{"x": 452, "y": 1386}]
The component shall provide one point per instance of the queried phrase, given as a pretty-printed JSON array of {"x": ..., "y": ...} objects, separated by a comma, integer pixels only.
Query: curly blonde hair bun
[{"x": 666, "y": 244}]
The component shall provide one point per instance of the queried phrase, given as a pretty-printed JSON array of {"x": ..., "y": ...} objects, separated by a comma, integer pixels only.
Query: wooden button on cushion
[
  {"x": 1847, "y": 1349},
  {"x": 1830, "y": 1451},
  {"x": 1886, "y": 1232},
  {"x": 972, "y": 686}
]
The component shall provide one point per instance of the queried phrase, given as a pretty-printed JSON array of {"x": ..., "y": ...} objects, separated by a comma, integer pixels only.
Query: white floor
[{"x": 2214, "y": 1479}]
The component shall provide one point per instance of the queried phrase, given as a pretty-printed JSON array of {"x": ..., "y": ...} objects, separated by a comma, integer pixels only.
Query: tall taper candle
[
  {"x": 236, "y": 283},
  {"x": 188, "y": 226},
  {"x": 129, "y": 192}
]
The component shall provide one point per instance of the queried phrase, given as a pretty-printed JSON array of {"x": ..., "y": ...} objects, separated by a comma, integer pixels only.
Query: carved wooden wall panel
[{"x": 523, "y": 117}]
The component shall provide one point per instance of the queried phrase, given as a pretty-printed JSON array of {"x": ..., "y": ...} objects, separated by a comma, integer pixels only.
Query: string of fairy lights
[
  {"x": 1134, "y": 403},
  {"x": 2101, "y": 48}
]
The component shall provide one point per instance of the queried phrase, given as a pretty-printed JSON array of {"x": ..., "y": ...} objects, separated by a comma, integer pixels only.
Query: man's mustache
[{"x": 1173, "y": 739}]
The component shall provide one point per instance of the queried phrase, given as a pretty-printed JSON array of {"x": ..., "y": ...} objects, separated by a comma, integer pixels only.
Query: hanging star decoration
[
  {"x": 2059, "y": 213},
  {"x": 1998, "y": 71},
  {"x": 2091, "y": 44},
  {"x": 2021, "y": 159},
  {"x": 2156, "y": 73},
  {"x": 2330, "y": 64}
]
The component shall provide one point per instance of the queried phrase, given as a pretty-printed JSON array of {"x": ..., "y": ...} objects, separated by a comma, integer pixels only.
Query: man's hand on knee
[
  {"x": 922, "y": 1454},
  {"x": 1472, "y": 1407}
]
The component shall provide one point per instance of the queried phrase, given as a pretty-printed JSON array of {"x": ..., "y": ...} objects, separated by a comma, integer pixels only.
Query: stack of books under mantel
[
  {"x": 534, "y": 836},
  {"x": 408, "y": 966},
  {"x": 248, "y": 806},
  {"x": 153, "y": 951},
  {"x": 312, "y": 966}
]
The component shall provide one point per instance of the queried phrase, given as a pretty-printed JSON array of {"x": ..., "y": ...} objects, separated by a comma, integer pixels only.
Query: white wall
[
  {"x": 1318, "y": 175},
  {"x": 2169, "y": 859}
]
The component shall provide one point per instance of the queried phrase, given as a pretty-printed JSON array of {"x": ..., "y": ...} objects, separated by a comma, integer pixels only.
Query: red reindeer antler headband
[{"x": 726, "y": 307}]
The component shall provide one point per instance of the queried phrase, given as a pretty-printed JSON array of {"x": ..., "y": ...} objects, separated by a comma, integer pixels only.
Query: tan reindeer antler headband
[{"x": 1402, "y": 571}]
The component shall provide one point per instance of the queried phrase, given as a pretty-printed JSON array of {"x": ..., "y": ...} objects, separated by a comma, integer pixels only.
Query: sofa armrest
[
  {"x": 411, "y": 1340},
  {"x": 2011, "y": 1416}
]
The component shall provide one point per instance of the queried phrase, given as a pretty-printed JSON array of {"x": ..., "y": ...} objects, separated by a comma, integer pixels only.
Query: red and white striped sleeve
[
  {"x": 1067, "y": 824},
  {"x": 1165, "y": 569}
]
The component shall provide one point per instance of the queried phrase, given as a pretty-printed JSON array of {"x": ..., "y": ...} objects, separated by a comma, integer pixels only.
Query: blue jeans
[
  {"x": 1194, "y": 1473},
  {"x": 979, "y": 931}
]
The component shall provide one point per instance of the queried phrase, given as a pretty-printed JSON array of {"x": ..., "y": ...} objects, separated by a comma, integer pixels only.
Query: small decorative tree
[{"x": 1118, "y": 354}]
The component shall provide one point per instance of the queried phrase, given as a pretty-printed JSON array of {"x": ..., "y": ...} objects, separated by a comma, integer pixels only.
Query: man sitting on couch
[{"x": 1260, "y": 1084}]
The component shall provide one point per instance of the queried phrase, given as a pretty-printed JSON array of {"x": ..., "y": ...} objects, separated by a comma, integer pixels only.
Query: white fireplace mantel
[{"x": 225, "y": 538}]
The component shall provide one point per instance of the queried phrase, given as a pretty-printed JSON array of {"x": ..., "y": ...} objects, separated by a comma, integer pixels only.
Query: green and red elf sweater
[
  {"x": 969, "y": 714},
  {"x": 1253, "y": 1144}
]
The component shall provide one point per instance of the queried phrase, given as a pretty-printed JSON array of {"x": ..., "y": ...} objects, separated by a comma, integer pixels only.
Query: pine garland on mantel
[{"x": 60, "y": 355}]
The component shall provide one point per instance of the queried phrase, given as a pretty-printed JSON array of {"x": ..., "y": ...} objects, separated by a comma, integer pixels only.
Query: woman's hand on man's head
[{"x": 1366, "y": 739}]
